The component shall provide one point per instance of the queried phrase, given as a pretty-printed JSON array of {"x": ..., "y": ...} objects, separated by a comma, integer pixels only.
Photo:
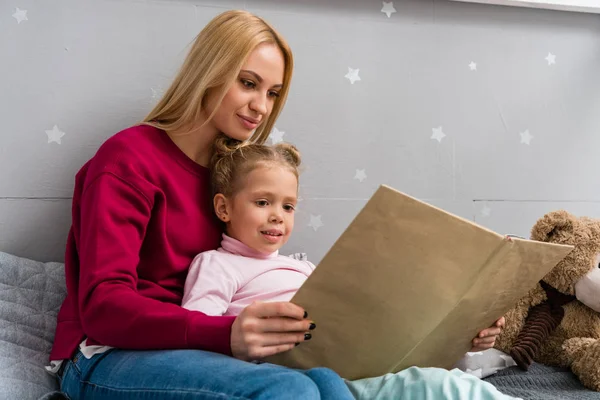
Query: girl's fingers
[
  {"x": 485, "y": 340},
  {"x": 490, "y": 332}
]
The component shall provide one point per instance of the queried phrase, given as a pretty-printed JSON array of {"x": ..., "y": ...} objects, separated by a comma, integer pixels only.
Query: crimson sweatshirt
[{"x": 141, "y": 213}]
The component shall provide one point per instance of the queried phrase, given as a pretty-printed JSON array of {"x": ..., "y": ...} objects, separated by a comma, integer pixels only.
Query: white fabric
[
  {"x": 587, "y": 289},
  {"x": 485, "y": 363}
]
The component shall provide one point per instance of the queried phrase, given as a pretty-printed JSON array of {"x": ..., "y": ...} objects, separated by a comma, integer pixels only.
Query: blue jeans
[{"x": 192, "y": 375}]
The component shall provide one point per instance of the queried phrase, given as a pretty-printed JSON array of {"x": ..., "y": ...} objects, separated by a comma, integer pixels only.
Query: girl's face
[
  {"x": 250, "y": 100},
  {"x": 261, "y": 214}
]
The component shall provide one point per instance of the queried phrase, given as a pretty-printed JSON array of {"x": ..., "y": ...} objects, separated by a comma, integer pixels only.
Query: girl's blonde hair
[
  {"x": 213, "y": 64},
  {"x": 233, "y": 160}
]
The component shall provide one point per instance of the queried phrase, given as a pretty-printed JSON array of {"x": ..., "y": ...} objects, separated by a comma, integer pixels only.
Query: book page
[{"x": 410, "y": 284}]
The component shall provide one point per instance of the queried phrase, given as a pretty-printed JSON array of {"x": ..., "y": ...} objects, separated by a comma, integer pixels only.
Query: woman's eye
[
  {"x": 274, "y": 94},
  {"x": 247, "y": 83}
]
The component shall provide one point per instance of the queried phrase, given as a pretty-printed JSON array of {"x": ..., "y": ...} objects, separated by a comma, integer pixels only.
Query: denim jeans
[{"x": 192, "y": 375}]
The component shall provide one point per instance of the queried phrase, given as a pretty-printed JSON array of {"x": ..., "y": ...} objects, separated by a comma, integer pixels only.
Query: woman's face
[{"x": 250, "y": 100}]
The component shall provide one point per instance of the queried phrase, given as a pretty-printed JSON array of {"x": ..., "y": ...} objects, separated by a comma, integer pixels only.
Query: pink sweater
[{"x": 225, "y": 281}]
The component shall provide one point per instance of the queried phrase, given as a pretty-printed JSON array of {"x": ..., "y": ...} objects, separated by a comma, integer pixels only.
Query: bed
[{"x": 31, "y": 293}]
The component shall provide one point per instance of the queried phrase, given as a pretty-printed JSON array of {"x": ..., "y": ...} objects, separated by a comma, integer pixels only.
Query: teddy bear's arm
[{"x": 515, "y": 318}]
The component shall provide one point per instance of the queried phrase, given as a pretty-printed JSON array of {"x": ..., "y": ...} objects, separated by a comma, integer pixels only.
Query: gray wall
[{"x": 93, "y": 67}]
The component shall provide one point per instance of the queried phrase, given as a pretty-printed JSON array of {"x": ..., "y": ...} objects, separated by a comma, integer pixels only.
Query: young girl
[{"x": 255, "y": 190}]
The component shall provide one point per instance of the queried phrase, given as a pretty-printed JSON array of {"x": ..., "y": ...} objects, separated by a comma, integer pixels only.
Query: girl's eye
[
  {"x": 247, "y": 83},
  {"x": 289, "y": 207},
  {"x": 262, "y": 203}
]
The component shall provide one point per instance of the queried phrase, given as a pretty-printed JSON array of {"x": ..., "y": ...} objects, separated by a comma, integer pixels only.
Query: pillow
[
  {"x": 485, "y": 363},
  {"x": 31, "y": 293}
]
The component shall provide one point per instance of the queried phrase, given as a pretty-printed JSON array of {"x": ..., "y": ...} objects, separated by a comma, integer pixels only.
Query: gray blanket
[{"x": 541, "y": 383}]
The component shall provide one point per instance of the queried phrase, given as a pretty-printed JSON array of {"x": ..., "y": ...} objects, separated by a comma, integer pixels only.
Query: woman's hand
[
  {"x": 487, "y": 338},
  {"x": 264, "y": 329}
]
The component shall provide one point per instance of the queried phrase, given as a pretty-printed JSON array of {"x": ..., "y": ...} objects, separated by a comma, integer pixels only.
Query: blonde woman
[{"x": 142, "y": 211}]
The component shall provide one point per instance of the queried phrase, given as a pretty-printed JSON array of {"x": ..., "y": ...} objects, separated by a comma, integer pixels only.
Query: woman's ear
[{"x": 221, "y": 205}]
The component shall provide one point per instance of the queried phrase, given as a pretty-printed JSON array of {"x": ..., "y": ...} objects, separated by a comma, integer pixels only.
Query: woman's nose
[{"x": 259, "y": 104}]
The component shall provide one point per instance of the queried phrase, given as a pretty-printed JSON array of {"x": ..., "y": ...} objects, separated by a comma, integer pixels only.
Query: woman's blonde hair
[
  {"x": 213, "y": 64},
  {"x": 233, "y": 160}
]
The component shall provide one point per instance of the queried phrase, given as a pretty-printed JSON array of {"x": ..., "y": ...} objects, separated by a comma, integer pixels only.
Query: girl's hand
[
  {"x": 264, "y": 329},
  {"x": 487, "y": 338}
]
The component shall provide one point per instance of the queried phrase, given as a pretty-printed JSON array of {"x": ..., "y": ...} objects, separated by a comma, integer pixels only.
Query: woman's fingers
[
  {"x": 264, "y": 329},
  {"x": 272, "y": 350},
  {"x": 276, "y": 317},
  {"x": 276, "y": 309},
  {"x": 287, "y": 325},
  {"x": 278, "y": 339}
]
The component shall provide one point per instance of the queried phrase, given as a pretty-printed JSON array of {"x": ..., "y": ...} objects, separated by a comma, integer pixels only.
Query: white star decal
[
  {"x": 315, "y": 222},
  {"x": 54, "y": 135},
  {"x": 551, "y": 58},
  {"x": 486, "y": 211},
  {"x": 156, "y": 93},
  {"x": 526, "y": 137},
  {"x": 360, "y": 175},
  {"x": 438, "y": 134},
  {"x": 352, "y": 75},
  {"x": 20, "y": 15},
  {"x": 276, "y": 136},
  {"x": 473, "y": 66},
  {"x": 388, "y": 8}
]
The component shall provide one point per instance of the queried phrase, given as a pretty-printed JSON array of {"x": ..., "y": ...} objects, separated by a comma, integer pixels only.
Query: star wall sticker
[
  {"x": 20, "y": 15},
  {"x": 438, "y": 134},
  {"x": 352, "y": 75},
  {"x": 276, "y": 136},
  {"x": 526, "y": 137},
  {"x": 388, "y": 8},
  {"x": 156, "y": 93},
  {"x": 551, "y": 58},
  {"x": 473, "y": 66},
  {"x": 315, "y": 222},
  {"x": 486, "y": 211},
  {"x": 54, "y": 135},
  {"x": 360, "y": 175}
]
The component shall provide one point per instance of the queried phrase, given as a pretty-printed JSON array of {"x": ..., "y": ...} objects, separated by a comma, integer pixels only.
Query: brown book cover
[{"x": 410, "y": 284}]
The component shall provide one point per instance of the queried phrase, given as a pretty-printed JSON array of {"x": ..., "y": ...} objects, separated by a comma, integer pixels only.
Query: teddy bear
[{"x": 558, "y": 322}]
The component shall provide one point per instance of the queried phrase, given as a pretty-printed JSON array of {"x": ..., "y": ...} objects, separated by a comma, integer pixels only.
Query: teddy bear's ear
[{"x": 554, "y": 221}]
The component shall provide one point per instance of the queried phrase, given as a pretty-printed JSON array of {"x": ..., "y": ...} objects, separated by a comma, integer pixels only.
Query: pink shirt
[{"x": 225, "y": 281}]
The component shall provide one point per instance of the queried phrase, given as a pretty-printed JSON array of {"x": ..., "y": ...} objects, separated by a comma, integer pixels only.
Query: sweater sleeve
[
  {"x": 209, "y": 287},
  {"x": 114, "y": 216}
]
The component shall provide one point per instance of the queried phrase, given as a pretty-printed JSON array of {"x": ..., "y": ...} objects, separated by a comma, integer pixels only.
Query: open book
[{"x": 410, "y": 284}]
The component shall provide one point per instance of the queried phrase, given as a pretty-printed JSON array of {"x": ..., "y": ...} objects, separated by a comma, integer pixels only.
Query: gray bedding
[
  {"x": 541, "y": 383},
  {"x": 31, "y": 293}
]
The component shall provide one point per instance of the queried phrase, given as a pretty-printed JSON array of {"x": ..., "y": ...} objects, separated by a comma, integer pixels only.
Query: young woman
[{"x": 141, "y": 212}]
